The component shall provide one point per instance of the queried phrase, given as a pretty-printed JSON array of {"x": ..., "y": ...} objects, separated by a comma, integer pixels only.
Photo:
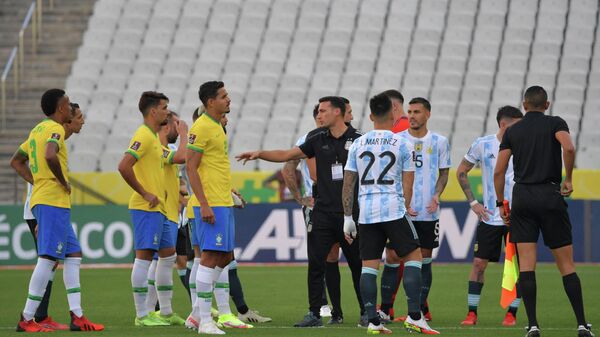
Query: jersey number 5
[
  {"x": 380, "y": 180},
  {"x": 417, "y": 159}
]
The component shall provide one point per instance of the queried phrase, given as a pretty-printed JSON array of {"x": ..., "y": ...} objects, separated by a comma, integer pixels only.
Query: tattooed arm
[
  {"x": 462, "y": 175},
  {"x": 440, "y": 185},
  {"x": 291, "y": 181},
  {"x": 348, "y": 191}
]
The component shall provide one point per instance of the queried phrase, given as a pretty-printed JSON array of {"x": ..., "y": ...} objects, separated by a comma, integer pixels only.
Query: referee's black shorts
[
  {"x": 400, "y": 235},
  {"x": 488, "y": 241},
  {"x": 536, "y": 208},
  {"x": 183, "y": 246}
]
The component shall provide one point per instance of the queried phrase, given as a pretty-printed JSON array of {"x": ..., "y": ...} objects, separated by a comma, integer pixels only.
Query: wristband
[
  {"x": 473, "y": 203},
  {"x": 499, "y": 203}
]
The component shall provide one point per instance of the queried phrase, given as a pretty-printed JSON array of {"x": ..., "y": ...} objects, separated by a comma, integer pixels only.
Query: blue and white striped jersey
[
  {"x": 485, "y": 151},
  {"x": 379, "y": 157},
  {"x": 27, "y": 214},
  {"x": 306, "y": 181},
  {"x": 429, "y": 154}
]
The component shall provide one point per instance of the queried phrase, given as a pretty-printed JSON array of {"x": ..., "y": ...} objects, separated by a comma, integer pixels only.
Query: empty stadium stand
[{"x": 277, "y": 58}]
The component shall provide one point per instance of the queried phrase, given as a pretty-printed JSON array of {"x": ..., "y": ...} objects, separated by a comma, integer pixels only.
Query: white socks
[
  {"x": 72, "y": 285},
  {"x": 152, "y": 297},
  {"x": 139, "y": 283},
  {"x": 37, "y": 286},
  {"x": 204, "y": 289},
  {"x": 164, "y": 283},
  {"x": 193, "y": 271},
  {"x": 222, "y": 290}
]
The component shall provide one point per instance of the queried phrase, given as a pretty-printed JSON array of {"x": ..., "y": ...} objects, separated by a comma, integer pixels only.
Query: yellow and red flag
[{"x": 511, "y": 269}]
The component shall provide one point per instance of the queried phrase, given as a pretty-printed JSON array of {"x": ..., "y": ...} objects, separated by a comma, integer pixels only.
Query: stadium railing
[{"x": 16, "y": 60}]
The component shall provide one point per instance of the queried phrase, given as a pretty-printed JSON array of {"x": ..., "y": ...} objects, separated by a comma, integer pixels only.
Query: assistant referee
[{"x": 538, "y": 200}]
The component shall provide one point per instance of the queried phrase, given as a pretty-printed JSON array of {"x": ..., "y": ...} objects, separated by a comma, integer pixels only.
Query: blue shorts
[
  {"x": 173, "y": 228},
  {"x": 219, "y": 236},
  {"x": 56, "y": 236},
  {"x": 150, "y": 230},
  {"x": 193, "y": 231}
]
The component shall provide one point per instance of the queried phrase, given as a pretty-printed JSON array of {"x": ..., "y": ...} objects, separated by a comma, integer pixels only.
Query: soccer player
[
  {"x": 160, "y": 275},
  {"x": 236, "y": 291},
  {"x": 41, "y": 315},
  {"x": 393, "y": 267},
  {"x": 536, "y": 144},
  {"x": 383, "y": 160},
  {"x": 208, "y": 170},
  {"x": 491, "y": 229},
  {"x": 329, "y": 145},
  {"x": 142, "y": 167},
  {"x": 46, "y": 152},
  {"x": 431, "y": 155}
]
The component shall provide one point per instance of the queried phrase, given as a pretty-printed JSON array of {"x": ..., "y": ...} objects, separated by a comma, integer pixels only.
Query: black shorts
[
  {"x": 183, "y": 246},
  {"x": 537, "y": 208},
  {"x": 488, "y": 241},
  {"x": 32, "y": 223},
  {"x": 401, "y": 233},
  {"x": 429, "y": 233}
]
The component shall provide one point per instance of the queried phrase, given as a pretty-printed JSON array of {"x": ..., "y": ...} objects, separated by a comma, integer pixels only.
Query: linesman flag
[{"x": 511, "y": 269}]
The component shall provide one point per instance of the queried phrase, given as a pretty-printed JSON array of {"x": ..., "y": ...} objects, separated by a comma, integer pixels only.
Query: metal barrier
[{"x": 16, "y": 60}]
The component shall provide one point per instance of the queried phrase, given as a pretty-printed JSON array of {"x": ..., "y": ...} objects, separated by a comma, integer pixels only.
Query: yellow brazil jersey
[
  {"x": 189, "y": 209},
  {"x": 207, "y": 137},
  {"x": 149, "y": 168},
  {"x": 171, "y": 185},
  {"x": 46, "y": 188}
]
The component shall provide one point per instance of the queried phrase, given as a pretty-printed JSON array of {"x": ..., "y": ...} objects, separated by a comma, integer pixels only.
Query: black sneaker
[
  {"x": 363, "y": 322},
  {"x": 585, "y": 331},
  {"x": 336, "y": 320},
  {"x": 534, "y": 331},
  {"x": 309, "y": 321}
]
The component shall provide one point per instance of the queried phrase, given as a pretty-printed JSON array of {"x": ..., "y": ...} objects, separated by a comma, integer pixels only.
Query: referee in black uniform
[
  {"x": 329, "y": 145},
  {"x": 538, "y": 203}
]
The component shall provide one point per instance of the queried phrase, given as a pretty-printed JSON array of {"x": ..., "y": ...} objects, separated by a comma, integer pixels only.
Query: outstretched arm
[{"x": 276, "y": 156}]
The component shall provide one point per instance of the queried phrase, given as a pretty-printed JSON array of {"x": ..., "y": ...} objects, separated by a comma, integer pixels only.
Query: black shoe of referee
[
  {"x": 309, "y": 321},
  {"x": 585, "y": 331},
  {"x": 533, "y": 331}
]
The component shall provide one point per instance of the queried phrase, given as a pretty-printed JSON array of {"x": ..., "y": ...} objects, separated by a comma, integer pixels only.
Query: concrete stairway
[{"x": 63, "y": 29}]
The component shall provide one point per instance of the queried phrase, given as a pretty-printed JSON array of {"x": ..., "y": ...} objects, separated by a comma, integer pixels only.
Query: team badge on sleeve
[
  {"x": 135, "y": 146},
  {"x": 192, "y": 138},
  {"x": 55, "y": 136},
  {"x": 166, "y": 153}
]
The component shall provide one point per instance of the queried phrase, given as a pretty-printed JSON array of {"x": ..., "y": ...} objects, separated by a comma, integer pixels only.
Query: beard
[{"x": 171, "y": 139}]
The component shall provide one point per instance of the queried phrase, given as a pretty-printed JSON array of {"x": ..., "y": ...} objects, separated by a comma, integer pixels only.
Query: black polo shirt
[
  {"x": 328, "y": 151},
  {"x": 537, "y": 154}
]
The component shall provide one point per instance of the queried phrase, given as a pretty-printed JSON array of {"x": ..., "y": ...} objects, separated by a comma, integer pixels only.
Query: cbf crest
[
  {"x": 219, "y": 239},
  {"x": 59, "y": 247}
]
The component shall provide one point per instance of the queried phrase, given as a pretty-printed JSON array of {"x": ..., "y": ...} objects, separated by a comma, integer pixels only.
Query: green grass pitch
[{"x": 280, "y": 292}]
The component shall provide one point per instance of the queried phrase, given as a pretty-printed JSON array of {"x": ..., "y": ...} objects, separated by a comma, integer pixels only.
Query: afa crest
[{"x": 418, "y": 146}]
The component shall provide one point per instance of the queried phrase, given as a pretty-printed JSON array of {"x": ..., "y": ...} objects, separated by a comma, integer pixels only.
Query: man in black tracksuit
[{"x": 329, "y": 145}]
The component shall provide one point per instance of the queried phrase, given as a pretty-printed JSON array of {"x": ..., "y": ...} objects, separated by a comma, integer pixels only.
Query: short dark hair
[
  {"x": 315, "y": 111},
  {"x": 74, "y": 107},
  {"x": 336, "y": 102},
  {"x": 508, "y": 112},
  {"x": 345, "y": 100},
  {"x": 209, "y": 90},
  {"x": 380, "y": 105},
  {"x": 195, "y": 115},
  {"x": 421, "y": 100},
  {"x": 50, "y": 100},
  {"x": 536, "y": 96},
  {"x": 149, "y": 100},
  {"x": 394, "y": 94}
]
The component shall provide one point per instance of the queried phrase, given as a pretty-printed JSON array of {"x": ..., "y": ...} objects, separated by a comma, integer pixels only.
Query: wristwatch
[{"x": 499, "y": 203}]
